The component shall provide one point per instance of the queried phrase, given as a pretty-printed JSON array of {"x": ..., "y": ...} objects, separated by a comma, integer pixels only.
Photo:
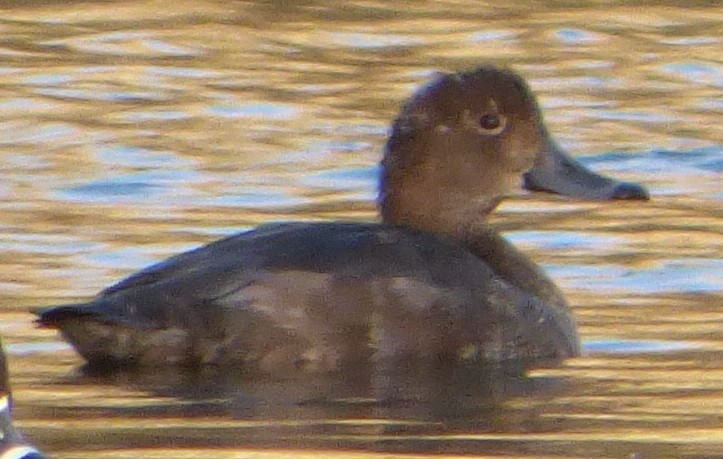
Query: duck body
[
  {"x": 334, "y": 292},
  {"x": 432, "y": 280}
]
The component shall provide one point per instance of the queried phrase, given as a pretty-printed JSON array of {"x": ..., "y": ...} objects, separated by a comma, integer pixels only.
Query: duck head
[{"x": 463, "y": 142}]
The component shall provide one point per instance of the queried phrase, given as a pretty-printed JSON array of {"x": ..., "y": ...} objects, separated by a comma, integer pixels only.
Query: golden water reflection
[{"x": 132, "y": 130}]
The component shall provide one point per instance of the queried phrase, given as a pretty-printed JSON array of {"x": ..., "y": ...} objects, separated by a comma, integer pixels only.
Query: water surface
[{"x": 131, "y": 130}]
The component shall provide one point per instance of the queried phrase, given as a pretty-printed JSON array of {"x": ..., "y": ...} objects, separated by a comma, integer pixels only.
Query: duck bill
[{"x": 555, "y": 171}]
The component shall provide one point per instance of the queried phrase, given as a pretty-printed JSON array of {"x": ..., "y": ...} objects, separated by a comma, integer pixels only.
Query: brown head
[{"x": 464, "y": 141}]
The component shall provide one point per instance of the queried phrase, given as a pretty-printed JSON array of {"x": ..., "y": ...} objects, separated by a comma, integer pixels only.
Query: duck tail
[{"x": 52, "y": 316}]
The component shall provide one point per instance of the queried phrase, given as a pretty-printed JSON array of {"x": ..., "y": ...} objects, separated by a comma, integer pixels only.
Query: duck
[
  {"x": 12, "y": 444},
  {"x": 430, "y": 280}
]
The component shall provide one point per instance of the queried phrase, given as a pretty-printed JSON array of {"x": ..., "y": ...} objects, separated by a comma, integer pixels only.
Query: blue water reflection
[
  {"x": 626, "y": 346},
  {"x": 265, "y": 110},
  {"x": 263, "y": 198},
  {"x": 690, "y": 275},
  {"x": 373, "y": 41},
  {"x": 139, "y": 188},
  {"x": 135, "y": 157},
  {"x": 130, "y": 258},
  {"x": 564, "y": 240},
  {"x": 670, "y": 172},
  {"x": 696, "y": 72},
  {"x": 44, "y": 243},
  {"x": 98, "y": 94},
  {"x": 124, "y": 43},
  {"x": 576, "y": 36},
  {"x": 343, "y": 179}
]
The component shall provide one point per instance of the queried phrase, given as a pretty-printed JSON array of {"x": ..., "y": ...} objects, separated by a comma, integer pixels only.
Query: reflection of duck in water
[
  {"x": 12, "y": 444},
  {"x": 431, "y": 280}
]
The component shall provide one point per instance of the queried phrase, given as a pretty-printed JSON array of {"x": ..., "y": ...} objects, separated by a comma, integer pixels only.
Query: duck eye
[{"x": 489, "y": 121}]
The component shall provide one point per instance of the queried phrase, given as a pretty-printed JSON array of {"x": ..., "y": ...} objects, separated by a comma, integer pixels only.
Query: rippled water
[{"x": 133, "y": 130}]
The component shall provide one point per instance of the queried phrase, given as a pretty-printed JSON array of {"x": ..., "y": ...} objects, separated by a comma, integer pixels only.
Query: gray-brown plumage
[{"x": 431, "y": 280}]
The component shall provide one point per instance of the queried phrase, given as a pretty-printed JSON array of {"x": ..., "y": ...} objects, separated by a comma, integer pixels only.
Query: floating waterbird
[{"x": 431, "y": 280}]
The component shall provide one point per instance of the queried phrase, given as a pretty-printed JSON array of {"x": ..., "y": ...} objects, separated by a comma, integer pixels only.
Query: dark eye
[{"x": 489, "y": 121}]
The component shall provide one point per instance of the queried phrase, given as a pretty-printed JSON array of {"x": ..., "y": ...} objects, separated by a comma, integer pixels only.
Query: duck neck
[{"x": 444, "y": 214}]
